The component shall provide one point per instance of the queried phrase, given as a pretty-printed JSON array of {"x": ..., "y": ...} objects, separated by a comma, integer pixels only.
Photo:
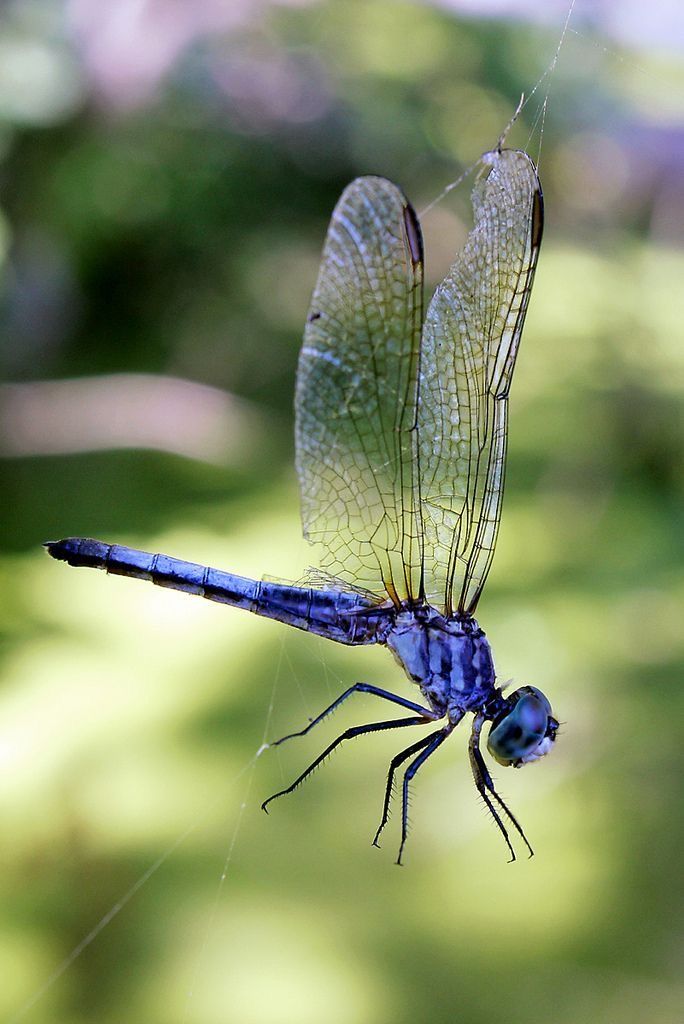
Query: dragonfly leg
[
  {"x": 485, "y": 787},
  {"x": 389, "y": 788},
  {"x": 434, "y": 741},
  {"x": 348, "y": 734},
  {"x": 359, "y": 688}
]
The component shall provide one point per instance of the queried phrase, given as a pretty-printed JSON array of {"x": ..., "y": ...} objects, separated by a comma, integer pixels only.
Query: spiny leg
[
  {"x": 484, "y": 783},
  {"x": 490, "y": 786},
  {"x": 402, "y": 756},
  {"x": 394, "y": 764},
  {"x": 488, "y": 782},
  {"x": 359, "y": 688},
  {"x": 437, "y": 738},
  {"x": 348, "y": 734},
  {"x": 480, "y": 785}
]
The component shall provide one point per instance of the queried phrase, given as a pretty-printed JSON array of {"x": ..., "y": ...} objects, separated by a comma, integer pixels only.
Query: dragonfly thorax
[{"x": 449, "y": 658}]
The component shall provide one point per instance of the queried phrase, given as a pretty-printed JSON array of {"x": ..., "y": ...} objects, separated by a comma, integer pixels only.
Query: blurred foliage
[{"x": 167, "y": 173}]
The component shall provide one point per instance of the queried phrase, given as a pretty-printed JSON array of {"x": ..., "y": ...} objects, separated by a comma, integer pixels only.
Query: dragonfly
[{"x": 400, "y": 437}]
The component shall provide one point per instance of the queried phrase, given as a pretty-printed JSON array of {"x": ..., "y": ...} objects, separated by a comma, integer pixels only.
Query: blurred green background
[{"x": 167, "y": 174}]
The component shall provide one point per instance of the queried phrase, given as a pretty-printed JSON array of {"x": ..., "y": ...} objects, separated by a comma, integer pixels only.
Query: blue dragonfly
[{"x": 401, "y": 432}]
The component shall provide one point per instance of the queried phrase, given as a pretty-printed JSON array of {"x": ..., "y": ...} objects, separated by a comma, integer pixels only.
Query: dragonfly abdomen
[
  {"x": 159, "y": 569},
  {"x": 342, "y": 616}
]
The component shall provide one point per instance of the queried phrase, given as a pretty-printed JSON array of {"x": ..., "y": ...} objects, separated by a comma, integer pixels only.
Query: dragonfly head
[{"x": 524, "y": 730}]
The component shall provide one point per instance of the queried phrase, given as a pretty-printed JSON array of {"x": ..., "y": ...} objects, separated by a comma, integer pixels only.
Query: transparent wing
[
  {"x": 470, "y": 340},
  {"x": 356, "y": 394}
]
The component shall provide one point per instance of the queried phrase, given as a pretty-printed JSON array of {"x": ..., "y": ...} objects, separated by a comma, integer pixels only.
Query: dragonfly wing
[
  {"x": 357, "y": 385},
  {"x": 470, "y": 341}
]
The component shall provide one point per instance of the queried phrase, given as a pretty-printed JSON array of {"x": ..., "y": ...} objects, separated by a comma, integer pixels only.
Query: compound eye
[{"x": 525, "y": 732}]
